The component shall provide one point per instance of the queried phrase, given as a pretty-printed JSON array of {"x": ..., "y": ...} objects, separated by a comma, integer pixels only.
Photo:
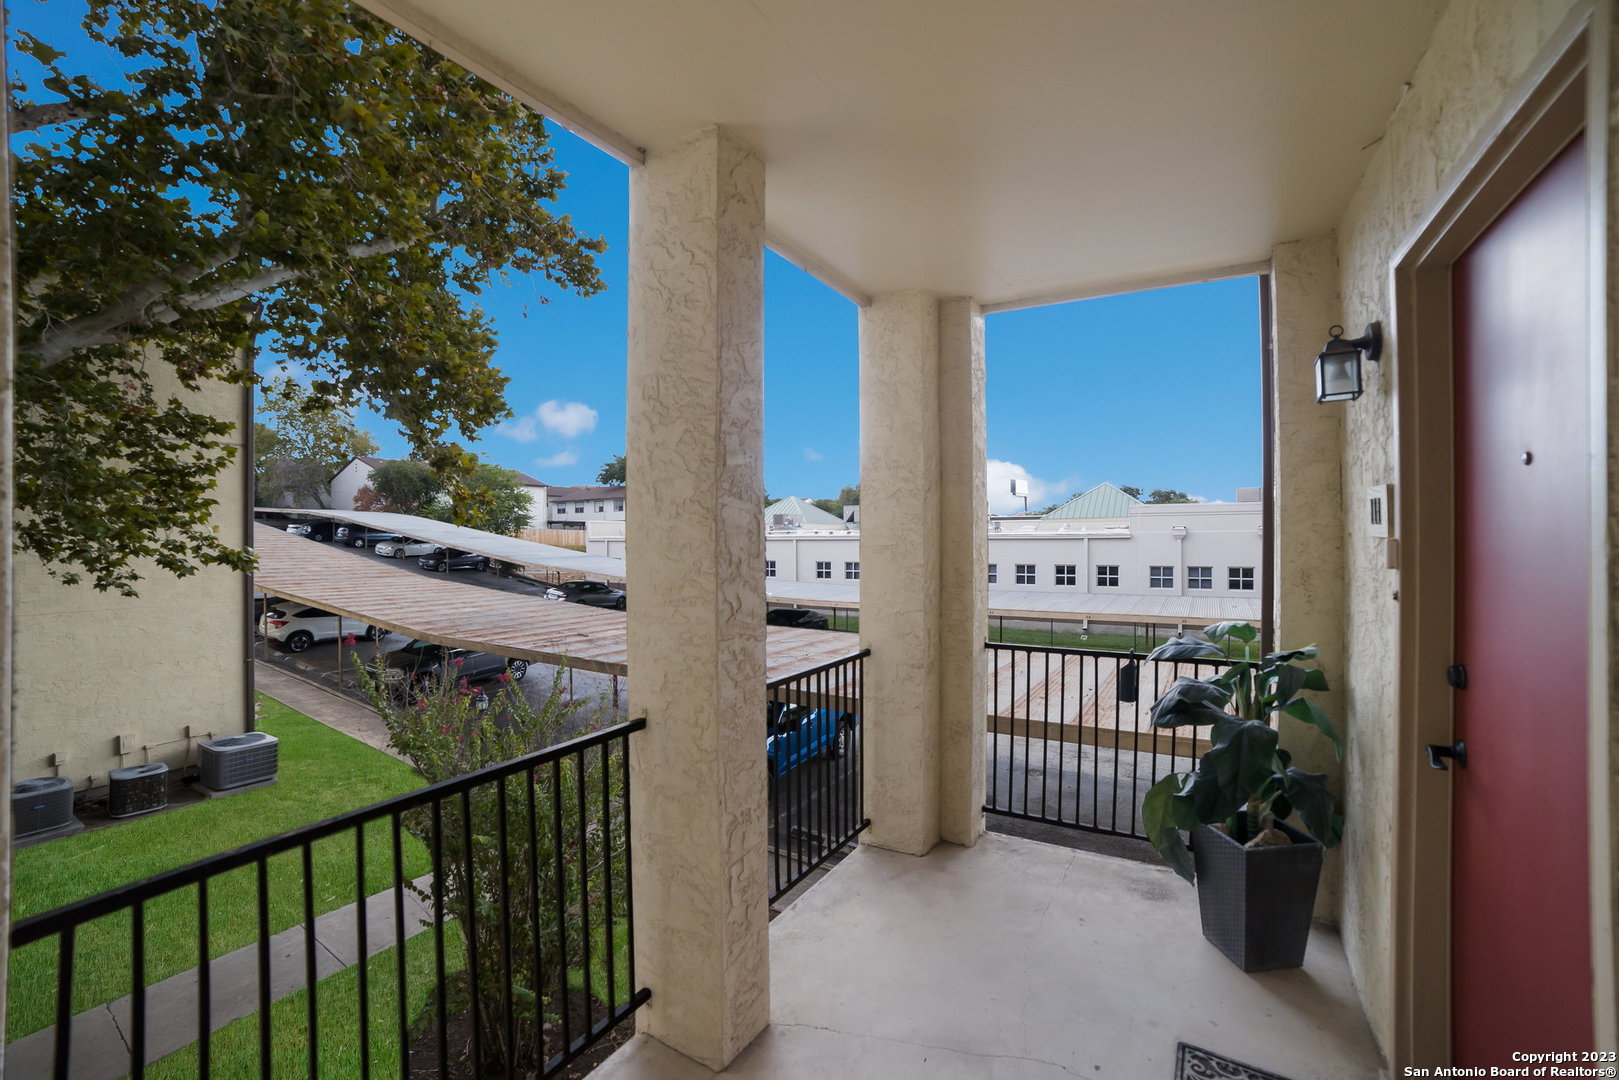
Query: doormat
[{"x": 1196, "y": 1063}]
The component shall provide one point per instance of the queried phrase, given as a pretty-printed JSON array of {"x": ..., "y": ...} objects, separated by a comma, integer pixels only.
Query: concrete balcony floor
[{"x": 1017, "y": 960}]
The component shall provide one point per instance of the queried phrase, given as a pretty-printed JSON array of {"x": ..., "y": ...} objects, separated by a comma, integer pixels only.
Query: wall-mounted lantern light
[{"x": 1338, "y": 368}]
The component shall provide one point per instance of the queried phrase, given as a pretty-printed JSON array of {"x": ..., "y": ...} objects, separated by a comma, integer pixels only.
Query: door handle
[{"x": 1438, "y": 752}]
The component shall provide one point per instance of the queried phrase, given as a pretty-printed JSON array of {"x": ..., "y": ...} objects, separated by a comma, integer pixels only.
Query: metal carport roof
[{"x": 452, "y": 613}]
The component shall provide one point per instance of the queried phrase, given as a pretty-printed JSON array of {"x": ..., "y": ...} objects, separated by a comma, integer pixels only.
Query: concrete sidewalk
[
  {"x": 100, "y": 1048},
  {"x": 337, "y": 711}
]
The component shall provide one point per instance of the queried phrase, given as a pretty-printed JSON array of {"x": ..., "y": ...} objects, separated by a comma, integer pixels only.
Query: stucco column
[
  {"x": 695, "y": 562},
  {"x": 1308, "y": 536},
  {"x": 923, "y": 539}
]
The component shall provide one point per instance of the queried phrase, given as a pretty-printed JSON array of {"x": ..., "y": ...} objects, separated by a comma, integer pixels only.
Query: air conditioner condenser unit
[
  {"x": 237, "y": 760},
  {"x": 42, "y": 808}
]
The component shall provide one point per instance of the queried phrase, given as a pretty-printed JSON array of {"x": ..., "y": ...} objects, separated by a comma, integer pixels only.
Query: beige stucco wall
[
  {"x": 92, "y": 666},
  {"x": 1480, "y": 48}
]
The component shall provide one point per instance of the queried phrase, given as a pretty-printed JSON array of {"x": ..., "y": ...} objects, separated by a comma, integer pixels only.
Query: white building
[{"x": 573, "y": 507}]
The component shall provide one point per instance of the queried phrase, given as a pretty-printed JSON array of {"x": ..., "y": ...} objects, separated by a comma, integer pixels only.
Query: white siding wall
[
  {"x": 566, "y": 513},
  {"x": 355, "y": 475}
]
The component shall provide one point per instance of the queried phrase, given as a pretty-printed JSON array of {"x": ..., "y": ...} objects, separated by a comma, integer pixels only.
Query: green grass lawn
[{"x": 322, "y": 774}]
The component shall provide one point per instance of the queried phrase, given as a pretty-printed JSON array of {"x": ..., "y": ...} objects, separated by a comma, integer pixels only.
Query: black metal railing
[
  {"x": 1070, "y": 735},
  {"x": 479, "y": 926},
  {"x": 814, "y": 757}
]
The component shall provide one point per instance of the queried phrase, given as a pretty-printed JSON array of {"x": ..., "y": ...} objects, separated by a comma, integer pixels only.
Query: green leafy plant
[
  {"x": 527, "y": 859},
  {"x": 1246, "y": 780}
]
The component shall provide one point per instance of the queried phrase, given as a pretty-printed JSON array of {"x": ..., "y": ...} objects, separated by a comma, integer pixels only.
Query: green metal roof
[
  {"x": 811, "y": 515},
  {"x": 1102, "y": 501}
]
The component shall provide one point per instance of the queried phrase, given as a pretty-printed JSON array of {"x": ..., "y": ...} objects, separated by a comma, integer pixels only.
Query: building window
[
  {"x": 562, "y": 508},
  {"x": 851, "y": 571},
  {"x": 1161, "y": 577},
  {"x": 578, "y": 508},
  {"x": 1240, "y": 577},
  {"x": 994, "y": 573},
  {"x": 1025, "y": 573},
  {"x": 618, "y": 504},
  {"x": 823, "y": 569},
  {"x": 1107, "y": 575},
  {"x": 770, "y": 568},
  {"x": 1200, "y": 577},
  {"x": 601, "y": 507},
  {"x": 1067, "y": 574}
]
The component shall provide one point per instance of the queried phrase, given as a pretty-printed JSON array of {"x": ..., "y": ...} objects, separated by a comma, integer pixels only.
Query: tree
[
  {"x": 501, "y": 502},
  {"x": 612, "y": 473},
  {"x": 849, "y": 496},
  {"x": 298, "y": 450},
  {"x": 403, "y": 487},
  {"x": 296, "y": 171},
  {"x": 1159, "y": 495}
]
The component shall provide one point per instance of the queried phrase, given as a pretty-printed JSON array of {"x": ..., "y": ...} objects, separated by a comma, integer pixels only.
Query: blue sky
[{"x": 1155, "y": 389}]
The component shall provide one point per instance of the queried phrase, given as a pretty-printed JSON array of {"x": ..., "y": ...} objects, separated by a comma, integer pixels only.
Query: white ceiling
[{"x": 1001, "y": 149}]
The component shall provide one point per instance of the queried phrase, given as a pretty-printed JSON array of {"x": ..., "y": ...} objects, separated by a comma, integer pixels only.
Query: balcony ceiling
[{"x": 1007, "y": 151}]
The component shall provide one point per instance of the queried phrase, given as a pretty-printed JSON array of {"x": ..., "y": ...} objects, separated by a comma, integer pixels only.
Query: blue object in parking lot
[{"x": 796, "y": 733}]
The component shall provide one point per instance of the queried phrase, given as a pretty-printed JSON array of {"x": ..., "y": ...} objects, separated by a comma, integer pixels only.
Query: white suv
[
  {"x": 398, "y": 549},
  {"x": 298, "y": 626}
]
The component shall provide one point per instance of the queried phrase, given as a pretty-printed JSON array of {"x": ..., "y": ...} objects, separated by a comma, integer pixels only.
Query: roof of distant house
[
  {"x": 806, "y": 512},
  {"x": 1102, "y": 501},
  {"x": 563, "y": 494},
  {"x": 376, "y": 462}
]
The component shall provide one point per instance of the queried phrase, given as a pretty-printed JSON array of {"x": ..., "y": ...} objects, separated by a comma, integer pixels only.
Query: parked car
[
  {"x": 594, "y": 593},
  {"x": 796, "y": 733},
  {"x": 419, "y": 664},
  {"x": 298, "y": 626},
  {"x": 458, "y": 560},
  {"x": 803, "y": 618},
  {"x": 361, "y": 537},
  {"x": 398, "y": 549},
  {"x": 314, "y": 530}
]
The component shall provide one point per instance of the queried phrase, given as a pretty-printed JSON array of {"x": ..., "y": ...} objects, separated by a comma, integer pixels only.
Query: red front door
[{"x": 1520, "y": 906}]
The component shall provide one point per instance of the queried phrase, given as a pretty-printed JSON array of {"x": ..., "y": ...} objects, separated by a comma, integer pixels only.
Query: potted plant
[{"x": 1256, "y": 875}]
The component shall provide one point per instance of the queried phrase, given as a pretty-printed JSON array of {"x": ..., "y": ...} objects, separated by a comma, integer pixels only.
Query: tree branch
[
  {"x": 113, "y": 323},
  {"x": 21, "y": 118}
]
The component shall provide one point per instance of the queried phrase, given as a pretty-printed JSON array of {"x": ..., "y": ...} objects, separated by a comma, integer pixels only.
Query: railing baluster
[
  {"x": 364, "y": 962},
  {"x": 607, "y": 878},
  {"x": 584, "y": 889},
  {"x": 503, "y": 840},
  {"x": 205, "y": 1004},
  {"x": 137, "y": 996},
  {"x": 265, "y": 1042},
  {"x": 562, "y": 903},
  {"x": 64, "y": 1003},
  {"x": 438, "y": 938},
  {"x": 629, "y": 878},
  {"x": 473, "y": 966},
  {"x": 400, "y": 971},
  {"x": 311, "y": 963}
]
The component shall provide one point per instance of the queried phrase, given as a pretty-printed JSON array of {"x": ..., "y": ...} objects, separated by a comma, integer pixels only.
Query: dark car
[
  {"x": 458, "y": 560},
  {"x": 314, "y": 530},
  {"x": 361, "y": 537},
  {"x": 593, "y": 593},
  {"x": 422, "y": 663},
  {"x": 803, "y": 618}
]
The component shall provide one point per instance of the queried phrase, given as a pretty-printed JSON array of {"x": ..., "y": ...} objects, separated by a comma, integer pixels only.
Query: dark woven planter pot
[{"x": 1256, "y": 902}]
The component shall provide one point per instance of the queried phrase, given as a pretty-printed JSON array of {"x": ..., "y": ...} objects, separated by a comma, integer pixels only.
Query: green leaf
[
  {"x": 1308, "y": 794},
  {"x": 1184, "y": 648},
  {"x": 1315, "y": 679},
  {"x": 1310, "y": 713},
  {"x": 1285, "y": 683},
  {"x": 1239, "y": 631},
  {"x": 1291, "y": 655},
  {"x": 1190, "y": 701},
  {"x": 1158, "y": 816},
  {"x": 1243, "y": 763}
]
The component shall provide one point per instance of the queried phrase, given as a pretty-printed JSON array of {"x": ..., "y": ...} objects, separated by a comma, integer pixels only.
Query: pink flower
[
  {"x": 505, "y": 676},
  {"x": 458, "y": 661},
  {"x": 444, "y": 729},
  {"x": 349, "y": 639}
]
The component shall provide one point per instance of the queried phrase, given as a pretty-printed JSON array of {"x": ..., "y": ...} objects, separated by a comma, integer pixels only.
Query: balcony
[{"x": 1018, "y": 959}]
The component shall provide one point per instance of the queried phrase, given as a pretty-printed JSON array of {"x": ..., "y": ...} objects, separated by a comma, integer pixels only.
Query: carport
[
  {"x": 450, "y": 613},
  {"x": 508, "y": 549}
]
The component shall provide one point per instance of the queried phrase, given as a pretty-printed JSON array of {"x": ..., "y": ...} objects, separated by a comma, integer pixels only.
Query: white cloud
[
  {"x": 567, "y": 418},
  {"x": 557, "y": 460},
  {"x": 522, "y": 430},
  {"x": 1041, "y": 492},
  {"x": 812, "y": 454}
]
